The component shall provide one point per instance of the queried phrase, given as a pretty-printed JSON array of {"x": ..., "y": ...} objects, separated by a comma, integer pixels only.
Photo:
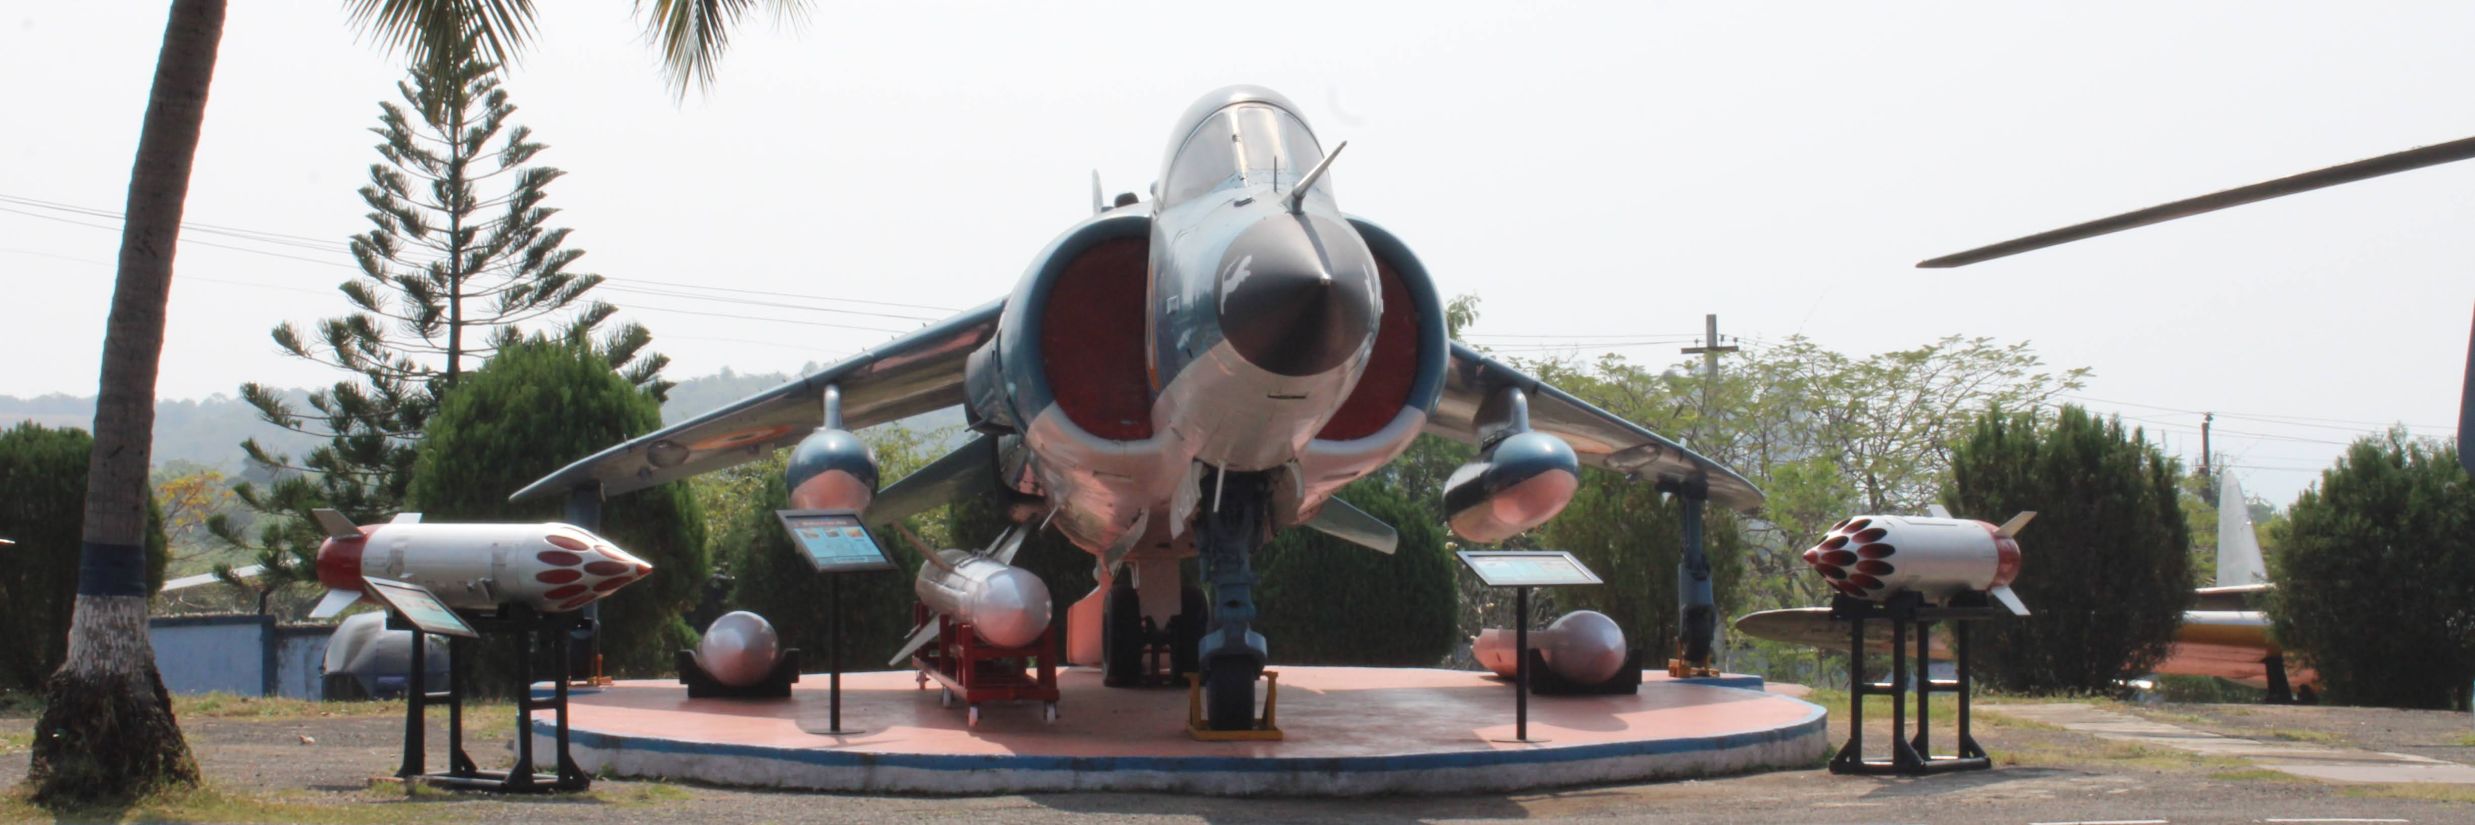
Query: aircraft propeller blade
[
  {"x": 2466, "y": 408},
  {"x": 2367, "y": 168}
]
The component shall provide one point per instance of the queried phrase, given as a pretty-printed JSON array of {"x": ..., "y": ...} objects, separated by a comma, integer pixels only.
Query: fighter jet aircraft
[{"x": 1181, "y": 377}]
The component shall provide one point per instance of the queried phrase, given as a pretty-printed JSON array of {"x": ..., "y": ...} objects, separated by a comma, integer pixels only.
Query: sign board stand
[
  {"x": 835, "y": 542},
  {"x": 411, "y": 607},
  {"x": 1522, "y": 570}
]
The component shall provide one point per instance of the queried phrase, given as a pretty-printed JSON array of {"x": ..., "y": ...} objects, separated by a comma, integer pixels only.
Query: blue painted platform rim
[{"x": 1813, "y": 722}]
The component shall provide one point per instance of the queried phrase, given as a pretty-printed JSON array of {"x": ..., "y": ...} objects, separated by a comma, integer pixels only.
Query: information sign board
[
  {"x": 1527, "y": 568},
  {"x": 834, "y": 540},
  {"x": 420, "y": 607}
]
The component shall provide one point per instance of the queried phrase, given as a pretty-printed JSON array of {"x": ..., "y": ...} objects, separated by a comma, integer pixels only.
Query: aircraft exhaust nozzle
[{"x": 1298, "y": 295}]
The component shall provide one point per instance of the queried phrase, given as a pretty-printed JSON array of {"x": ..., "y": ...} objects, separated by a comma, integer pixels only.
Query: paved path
[{"x": 2306, "y": 759}]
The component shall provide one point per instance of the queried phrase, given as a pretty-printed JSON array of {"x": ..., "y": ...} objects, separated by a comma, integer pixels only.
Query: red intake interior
[
  {"x": 1390, "y": 370},
  {"x": 1091, "y": 340}
]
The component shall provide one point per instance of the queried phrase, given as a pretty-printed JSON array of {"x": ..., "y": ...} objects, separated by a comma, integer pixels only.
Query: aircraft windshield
[{"x": 1240, "y": 144}]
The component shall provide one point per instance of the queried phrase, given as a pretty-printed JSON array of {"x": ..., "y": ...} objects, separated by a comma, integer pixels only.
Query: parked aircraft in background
[
  {"x": 2226, "y": 633},
  {"x": 1182, "y": 377}
]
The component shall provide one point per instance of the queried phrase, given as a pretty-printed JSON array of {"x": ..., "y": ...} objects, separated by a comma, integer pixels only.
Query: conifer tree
[
  {"x": 2106, "y": 567},
  {"x": 460, "y": 259}
]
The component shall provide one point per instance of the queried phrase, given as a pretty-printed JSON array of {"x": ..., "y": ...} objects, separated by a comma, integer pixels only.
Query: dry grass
[{"x": 229, "y": 706}]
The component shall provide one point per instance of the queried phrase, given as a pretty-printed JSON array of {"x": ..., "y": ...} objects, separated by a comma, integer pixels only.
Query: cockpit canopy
[{"x": 1251, "y": 137}]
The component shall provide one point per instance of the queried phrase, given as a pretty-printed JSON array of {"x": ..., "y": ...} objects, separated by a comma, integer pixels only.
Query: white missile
[
  {"x": 551, "y": 567},
  {"x": 1004, "y": 604},
  {"x": 1584, "y": 646},
  {"x": 1877, "y": 557},
  {"x": 739, "y": 649}
]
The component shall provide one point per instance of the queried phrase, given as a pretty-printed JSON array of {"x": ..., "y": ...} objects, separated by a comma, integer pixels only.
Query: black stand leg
[
  {"x": 416, "y": 730},
  {"x": 2280, "y": 692},
  {"x": 459, "y": 763},
  {"x": 833, "y": 684},
  {"x": 1924, "y": 690},
  {"x": 1521, "y": 671}
]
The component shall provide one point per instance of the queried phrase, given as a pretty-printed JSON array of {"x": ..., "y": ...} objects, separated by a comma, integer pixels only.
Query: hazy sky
[{"x": 1610, "y": 170}]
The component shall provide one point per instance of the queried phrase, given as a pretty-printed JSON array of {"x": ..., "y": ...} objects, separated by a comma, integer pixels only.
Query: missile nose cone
[
  {"x": 1011, "y": 609},
  {"x": 1298, "y": 295}
]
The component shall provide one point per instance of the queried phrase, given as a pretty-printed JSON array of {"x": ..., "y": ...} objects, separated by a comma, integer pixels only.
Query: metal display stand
[
  {"x": 835, "y": 542},
  {"x": 1910, "y": 755},
  {"x": 1522, "y": 570},
  {"x": 968, "y": 669},
  {"x": 528, "y": 629}
]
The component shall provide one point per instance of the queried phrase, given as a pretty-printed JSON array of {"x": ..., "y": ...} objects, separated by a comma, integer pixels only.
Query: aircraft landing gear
[
  {"x": 1133, "y": 647},
  {"x": 1227, "y": 531}
]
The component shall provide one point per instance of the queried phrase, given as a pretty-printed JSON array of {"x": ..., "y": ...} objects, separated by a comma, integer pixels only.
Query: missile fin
[
  {"x": 1937, "y": 511},
  {"x": 1008, "y": 543},
  {"x": 2008, "y": 600},
  {"x": 336, "y": 525},
  {"x": 1125, "y": 544},
  {"x": 405, "y": 518},
  {"x": 335, "y": 602},
  {"x": 2012, "y": 527},
  {"x": 1341, "y": 520},
  {"x": 920, "y": 638}
]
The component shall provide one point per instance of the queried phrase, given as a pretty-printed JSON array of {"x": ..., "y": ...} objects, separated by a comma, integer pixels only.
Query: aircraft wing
[
  {"x": 1599, "y": 438},
  {"x": 916, "y": 373}
]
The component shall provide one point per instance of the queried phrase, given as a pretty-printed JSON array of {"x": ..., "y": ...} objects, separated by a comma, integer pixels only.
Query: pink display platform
[{"x": 1351, "y": 731}]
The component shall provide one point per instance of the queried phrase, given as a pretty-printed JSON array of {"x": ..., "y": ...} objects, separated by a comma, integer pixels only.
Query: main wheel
[
  {"x": 1186, "y": 633},
  {"x": 1229, "y": 695},
  {"x": 1121, "y": 638}
]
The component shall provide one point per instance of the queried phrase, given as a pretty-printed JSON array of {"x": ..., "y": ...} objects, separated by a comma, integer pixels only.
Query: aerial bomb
[
  {"x": 739, "y": 649},
  {"x": 1584, "y": 646}
]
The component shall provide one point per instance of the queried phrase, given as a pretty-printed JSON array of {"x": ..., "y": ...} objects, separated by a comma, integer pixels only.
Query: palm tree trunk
[{"x": 107, "y": 731}]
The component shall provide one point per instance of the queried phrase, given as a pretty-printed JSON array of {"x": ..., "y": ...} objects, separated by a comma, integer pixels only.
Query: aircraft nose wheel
[{"x": 1229, "y": 695}]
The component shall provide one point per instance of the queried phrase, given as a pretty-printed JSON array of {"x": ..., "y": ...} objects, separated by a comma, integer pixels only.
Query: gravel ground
[
  {"x": 267, "y": 772},
  {"x": 2445, "y": 736}
]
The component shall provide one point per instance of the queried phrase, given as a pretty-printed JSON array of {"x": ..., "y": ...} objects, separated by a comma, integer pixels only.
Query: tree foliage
[
  {"x": 1327, "y": 601},
  {"x": 460, "y": 257},
  {"x": 2107, "y": 563},
  {"x": 2376, "y": 575},
  {"x": 42, "y": 487},
  {"x": 539, "y": 405}
]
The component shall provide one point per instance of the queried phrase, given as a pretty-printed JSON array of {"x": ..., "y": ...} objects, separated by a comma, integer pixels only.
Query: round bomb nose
[{"x": 1298, "y": 295}]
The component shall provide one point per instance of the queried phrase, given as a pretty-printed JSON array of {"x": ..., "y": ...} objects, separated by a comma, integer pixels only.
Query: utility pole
[
  {"x": 2208, "y": 479},
  {"x": 1710, "y": 352}
]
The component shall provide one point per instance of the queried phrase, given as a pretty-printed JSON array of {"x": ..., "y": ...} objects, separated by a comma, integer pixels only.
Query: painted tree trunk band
[{"x": 111, "y": 569}]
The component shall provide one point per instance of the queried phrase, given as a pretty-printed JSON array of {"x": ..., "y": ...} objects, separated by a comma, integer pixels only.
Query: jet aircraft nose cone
[{"x": 1298, "y": 294}]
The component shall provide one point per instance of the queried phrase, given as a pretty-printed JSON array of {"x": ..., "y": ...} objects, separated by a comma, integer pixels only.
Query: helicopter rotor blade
[{"x": 2367, "y": 168}]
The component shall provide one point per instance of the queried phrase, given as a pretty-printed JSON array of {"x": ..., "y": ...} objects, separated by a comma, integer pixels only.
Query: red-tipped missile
[
  {"x": 1877, "y": 557},
  {"x": 551, "y": 568}
]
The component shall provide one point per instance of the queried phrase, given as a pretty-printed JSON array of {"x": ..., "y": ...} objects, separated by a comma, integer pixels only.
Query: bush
[
  {"x": 535, "y": 407},
  {"x": 42, "y": 493},
  {"x": 1327, "y": 601},
  {"x": 2376, "y": 575},
  {"x": 2107, "y": 563}
]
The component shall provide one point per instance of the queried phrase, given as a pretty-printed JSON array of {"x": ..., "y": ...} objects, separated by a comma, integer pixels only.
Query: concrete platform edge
[{"x": 1797, "y": 745}]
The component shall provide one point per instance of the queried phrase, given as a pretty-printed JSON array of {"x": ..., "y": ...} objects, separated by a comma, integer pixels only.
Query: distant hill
[{"x": 209, "y": 431}]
